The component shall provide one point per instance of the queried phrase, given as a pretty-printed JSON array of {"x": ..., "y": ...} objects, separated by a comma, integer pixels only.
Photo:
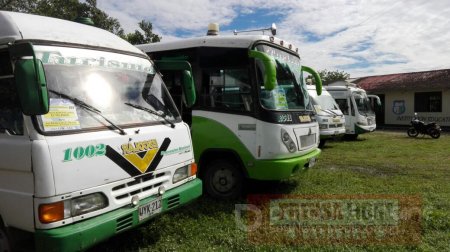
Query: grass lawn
[{"x": 376, "y": 163}]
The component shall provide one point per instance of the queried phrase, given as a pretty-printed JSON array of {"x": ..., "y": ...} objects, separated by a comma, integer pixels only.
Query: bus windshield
[
  {"x": 82, "y": 81},
  {"x": 291, "y": 92},
  {"x": 363, "y": 103},
  {"x": 324, "y": 102}
]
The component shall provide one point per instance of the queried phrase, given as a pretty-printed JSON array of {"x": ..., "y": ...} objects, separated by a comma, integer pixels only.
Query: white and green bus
[
  {"x": 91, "y": 142},
  {"x": 253, "y": 117},
  {"x": 357, "y": 106}
]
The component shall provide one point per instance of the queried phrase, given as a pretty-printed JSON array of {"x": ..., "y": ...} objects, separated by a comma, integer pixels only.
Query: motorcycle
[{"x": 419, "y": 127}]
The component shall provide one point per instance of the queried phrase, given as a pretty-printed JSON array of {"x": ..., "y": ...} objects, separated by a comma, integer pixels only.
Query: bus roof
[
  {"x": 20, "y": 26},
  {"x": 235, "y": 41},
  {"x": 311, "y": 87},
  {"x": 343, "y": 86}
]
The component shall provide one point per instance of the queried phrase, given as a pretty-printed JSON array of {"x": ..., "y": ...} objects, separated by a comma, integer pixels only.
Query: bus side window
[
  {"x": 172, "y": 79},
  {"x": 265, "y": 96},
  {"x": 229, "y": 89},
  {"x": 11, "y": 118},
  {"x": 352, "y": 107},
  {"x": 343, "y": 105}
]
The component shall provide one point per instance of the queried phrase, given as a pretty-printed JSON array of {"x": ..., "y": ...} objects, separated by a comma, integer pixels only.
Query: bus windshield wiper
[
  {"x": 329, "y": 111},
  {"x": 88, "y": 107},
  {"x": 163, "y": 116}
]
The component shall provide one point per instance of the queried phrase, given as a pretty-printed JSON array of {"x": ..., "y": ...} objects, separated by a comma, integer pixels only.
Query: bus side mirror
[
  {"x": 376, "y": 98},
  {"x": 316, "y": 77},
  {"x": 30, "y": 80},
  {"x": 188, "y": 87},
  {"x": 270, "y": 73},
  {"x": 187, "y": 84}
]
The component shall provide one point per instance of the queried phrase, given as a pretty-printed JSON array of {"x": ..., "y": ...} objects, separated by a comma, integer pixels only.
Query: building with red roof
[{"x": 402, "y": 94}]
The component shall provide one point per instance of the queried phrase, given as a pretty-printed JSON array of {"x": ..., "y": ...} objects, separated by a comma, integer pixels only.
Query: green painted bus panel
[
  {"x": 359, "y": 130},
  {"x": 222, "y": 138},
  {"x": 85, "y": 234},
  {"x": 278, "y": 169}
]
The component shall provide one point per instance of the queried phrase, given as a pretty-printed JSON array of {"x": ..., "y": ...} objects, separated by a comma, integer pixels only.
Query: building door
[{"x": 380, "y": 110}]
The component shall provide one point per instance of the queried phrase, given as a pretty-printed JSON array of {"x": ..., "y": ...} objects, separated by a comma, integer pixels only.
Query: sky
[{"x": 360, "y": 37}]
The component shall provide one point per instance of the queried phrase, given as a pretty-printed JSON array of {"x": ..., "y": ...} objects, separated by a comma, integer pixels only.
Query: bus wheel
[
  {"x": 223, "y": 179},
  {"x": 4, "y": 241}
]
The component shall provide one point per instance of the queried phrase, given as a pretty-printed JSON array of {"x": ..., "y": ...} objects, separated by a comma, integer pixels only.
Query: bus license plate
[{"x": 149, "y": 209}]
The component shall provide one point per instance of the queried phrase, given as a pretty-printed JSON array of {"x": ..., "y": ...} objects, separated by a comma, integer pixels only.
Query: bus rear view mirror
[
  {"x": 30, "y": 80},
  {"x": 270, "y": 73},
  {"x": 376, "y": 98},
  {"x": 188, "y": 88},
  {"x": 316, "y": 76}
]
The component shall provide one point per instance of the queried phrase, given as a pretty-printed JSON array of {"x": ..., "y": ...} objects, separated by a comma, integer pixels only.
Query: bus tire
[
  {"x": 223, "y": 179},
  {"x": 5, "y": 245}
]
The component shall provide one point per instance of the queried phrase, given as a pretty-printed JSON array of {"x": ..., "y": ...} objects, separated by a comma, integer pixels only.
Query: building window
[{"x": 428, "y": 102}]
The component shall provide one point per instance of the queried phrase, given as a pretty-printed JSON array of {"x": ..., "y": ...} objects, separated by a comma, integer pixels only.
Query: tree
[
  {"x": 332, "y": 76},
  {"x": 99, "y": 17},
  {"x": 18, "y": 6},
  {"x": 71, "y": 9},
  {"x": 148, "y": 37}
]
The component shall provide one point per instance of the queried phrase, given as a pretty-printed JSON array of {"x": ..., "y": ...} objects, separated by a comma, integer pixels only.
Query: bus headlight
[
  {"x": 362, "y": 122},
  {"x": 323, "y": 126},
  {"x": 288, "y": 142},
  {"x": 60, "y": 210},
  {"x": 88, "y": 203},
  {"x": 180, "y": 174},
  {"x": 184, "y": 172}
]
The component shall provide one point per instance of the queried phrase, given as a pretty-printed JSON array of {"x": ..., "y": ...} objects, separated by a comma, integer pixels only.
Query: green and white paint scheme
[
  {"x": 91, "y": 143},
  {"x": 330, "y": 118},
  {"x": 252, "y": 118},
  {"x": 357, "y": 107}
]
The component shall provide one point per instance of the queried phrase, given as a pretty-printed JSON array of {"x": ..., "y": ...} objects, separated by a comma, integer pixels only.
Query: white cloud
[{"x": 362, "y": 37}]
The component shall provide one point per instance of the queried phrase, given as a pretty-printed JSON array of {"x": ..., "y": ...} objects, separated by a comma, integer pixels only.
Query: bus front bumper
[
  {"x": 360, "y": 129},
  {"x": 85, "y": 234},
  {"x": 331, "y": 133},
  {"x": 278, "y": 169}
]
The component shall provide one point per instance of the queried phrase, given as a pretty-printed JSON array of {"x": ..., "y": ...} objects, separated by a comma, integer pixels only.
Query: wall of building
[{"x": 399, "y": 108}]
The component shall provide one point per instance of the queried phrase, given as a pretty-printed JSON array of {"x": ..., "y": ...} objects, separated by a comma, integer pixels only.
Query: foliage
[
  {"x": 148, "y": 37},
  {"x": 18, "y": 6},
  {"x": 332, "y": 76},
  {"x": 71, "y": 9}
]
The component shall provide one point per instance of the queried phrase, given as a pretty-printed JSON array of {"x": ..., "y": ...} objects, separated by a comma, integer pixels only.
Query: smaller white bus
[
  {"x": 356, "y": 106},
  {"x": 330, "y": 118},
  {"x": 252, "y": 118}
]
